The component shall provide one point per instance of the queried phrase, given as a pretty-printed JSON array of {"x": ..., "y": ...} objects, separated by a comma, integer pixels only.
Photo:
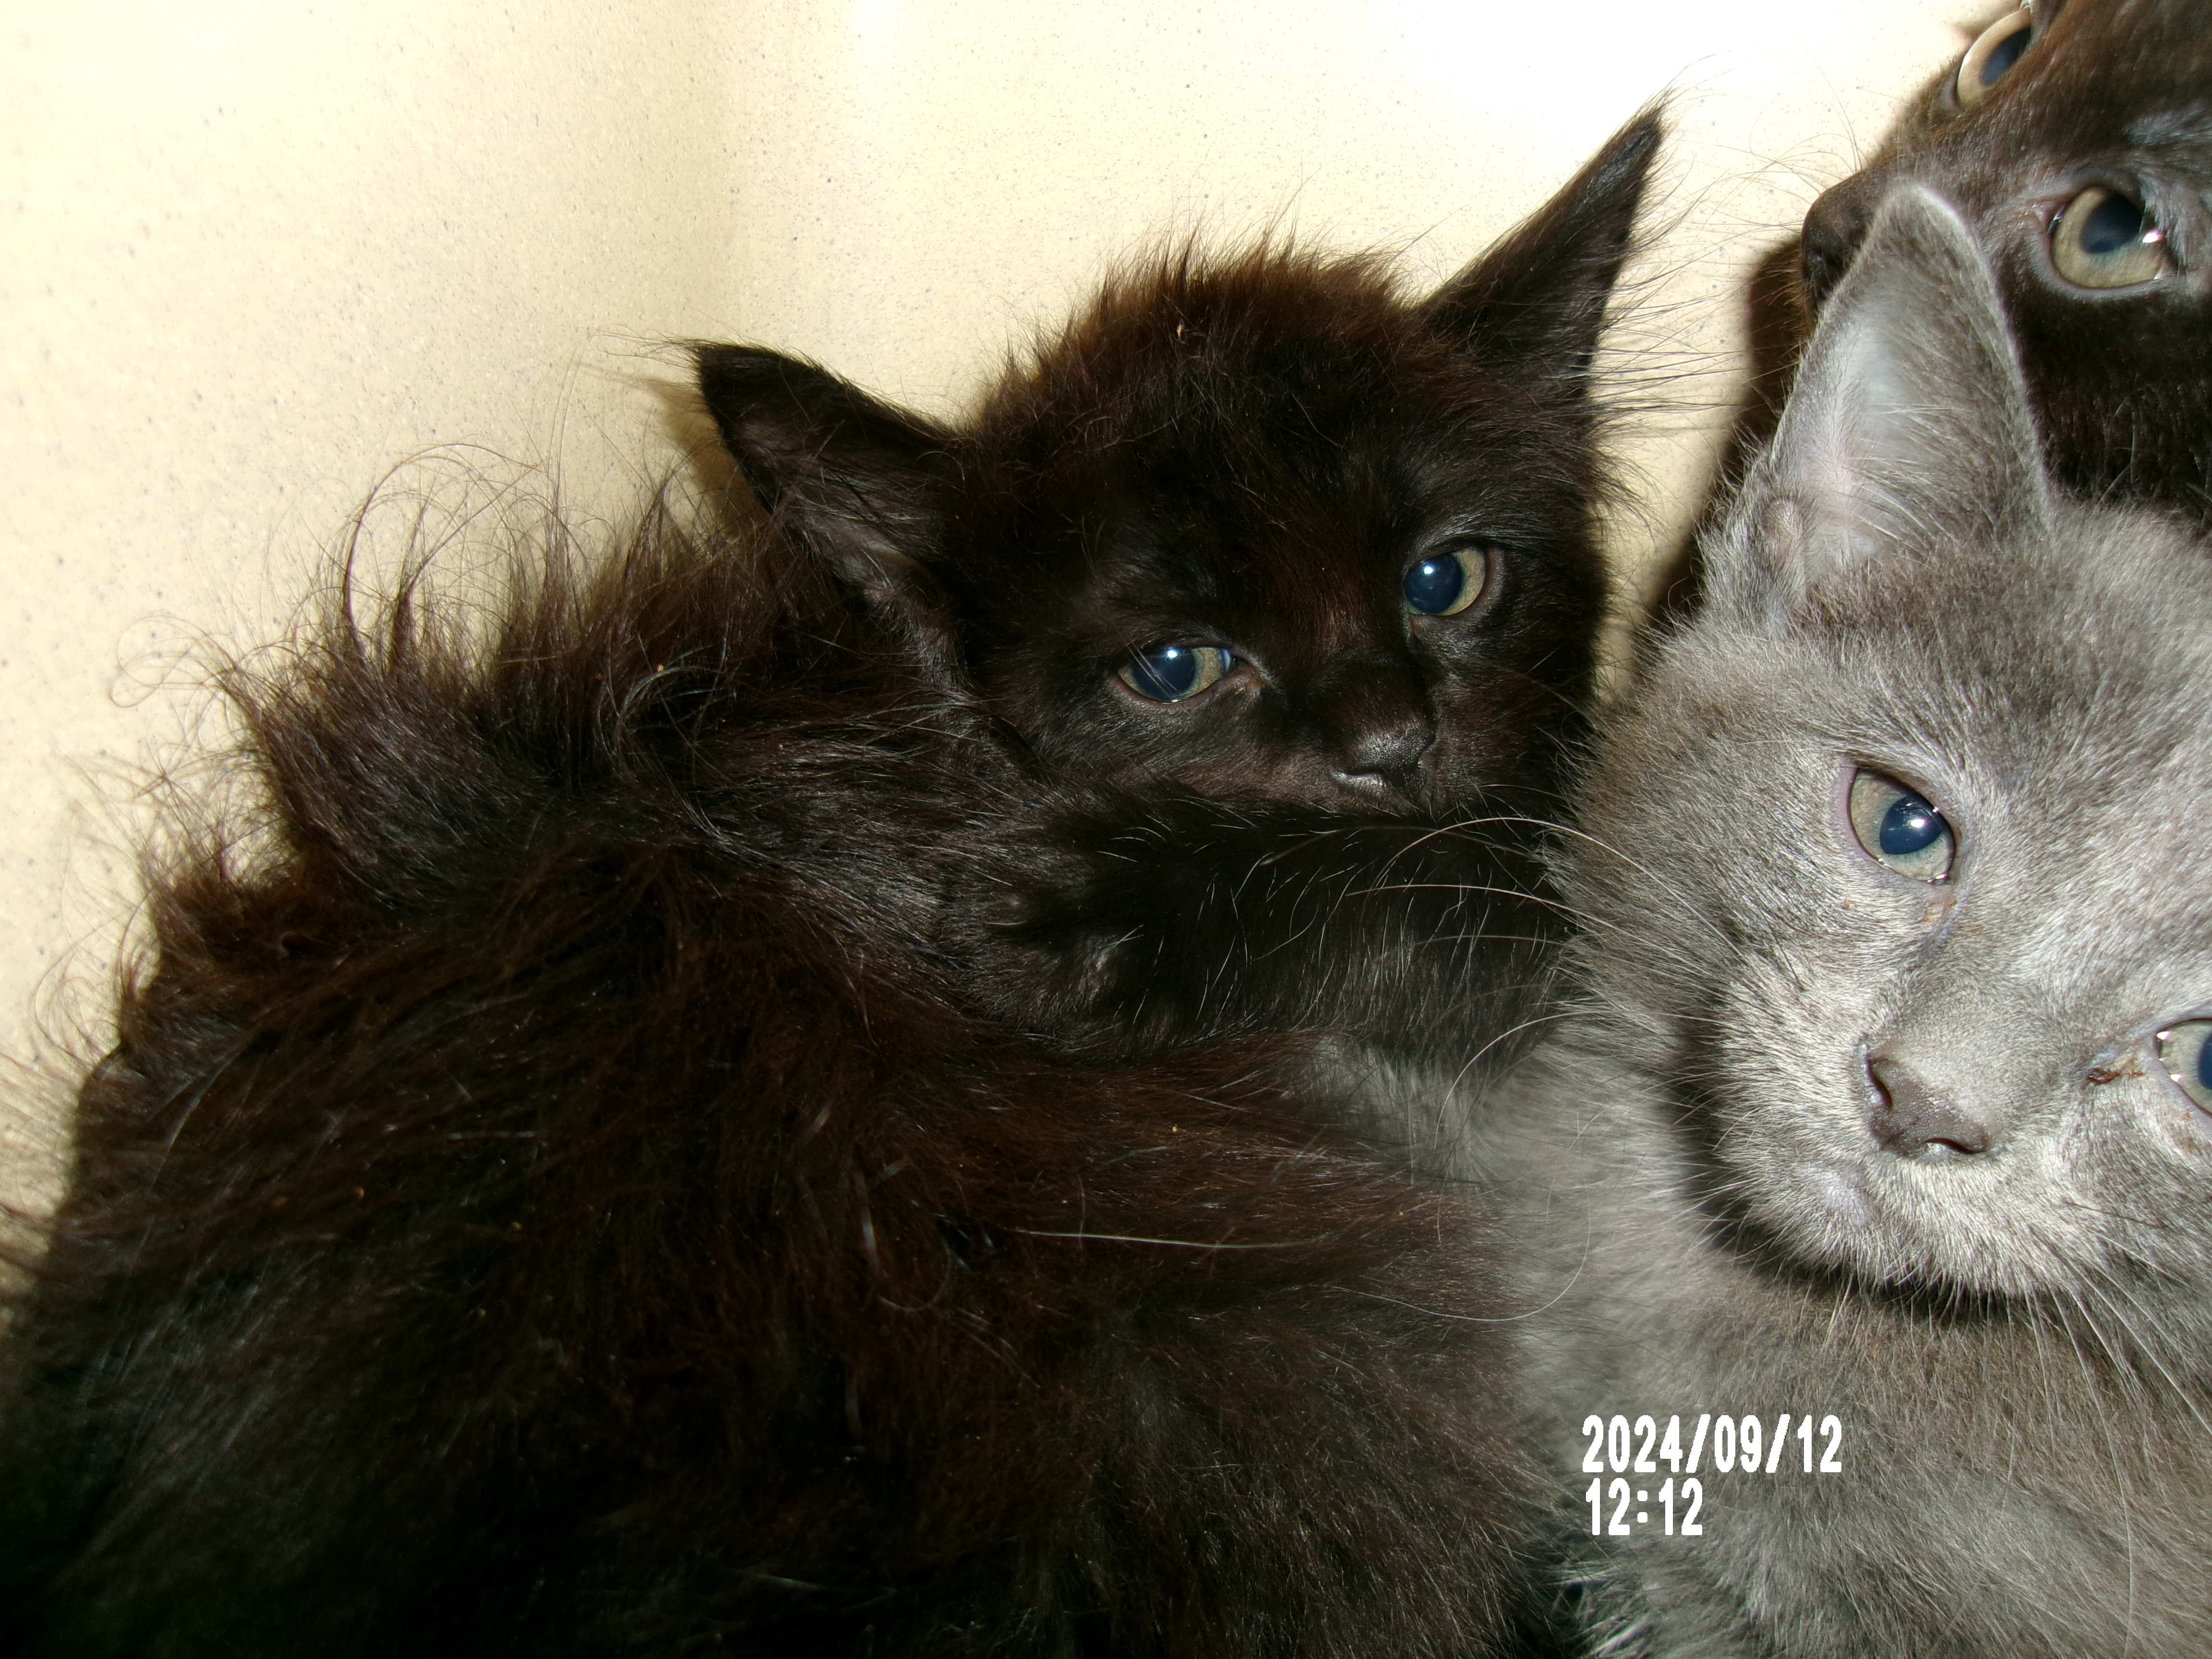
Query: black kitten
[
  {"x": 1296, "y": 579},
  {"x": 2077, "y": 139},
  {"x": 555, "y": 1200},
  {"x": 557, "y": 1195}
]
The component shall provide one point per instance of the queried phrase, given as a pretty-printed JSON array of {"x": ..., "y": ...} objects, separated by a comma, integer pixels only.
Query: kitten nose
[
  {"x": 1389, "y": 750},
  {"x": 1912, "y": 1119},
  {"x": 1833, "y": 230},
  {"x": 1375, "y": 723}
]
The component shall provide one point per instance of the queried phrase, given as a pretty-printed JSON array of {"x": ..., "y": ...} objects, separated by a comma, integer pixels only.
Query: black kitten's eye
[
  {"x": 1900, "y": 828},
  {"x": 2101, "y": 238},
  {"x": 1447, "y": 582},
  {"x": 1170, "y": 673},
  {"x": 1997, "y": 50},
  {"x": 2187, "y": 1056}
]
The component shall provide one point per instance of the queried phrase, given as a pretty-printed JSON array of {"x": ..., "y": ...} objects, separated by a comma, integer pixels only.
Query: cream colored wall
[{"x": 255, "y": 253}]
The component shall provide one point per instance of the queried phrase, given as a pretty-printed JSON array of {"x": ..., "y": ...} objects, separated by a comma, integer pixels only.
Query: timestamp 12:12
[{"x": 1692, "y": 1494}]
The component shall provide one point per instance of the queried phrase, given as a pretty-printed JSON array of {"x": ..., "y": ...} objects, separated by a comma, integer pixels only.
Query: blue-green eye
[
  {"x": 1448, "y": 581},
  {"x": 2186, "y": 1054},
  {"x": 1170, "y": 673},
  {"x": 1993, "y": 53},
  {"x": 1898, "y": 827}
]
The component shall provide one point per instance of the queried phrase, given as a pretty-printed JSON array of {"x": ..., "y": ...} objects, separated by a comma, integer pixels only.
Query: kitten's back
[{"x": 550, "y": 1195}]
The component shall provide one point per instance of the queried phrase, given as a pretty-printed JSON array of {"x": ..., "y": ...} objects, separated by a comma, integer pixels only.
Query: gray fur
[{"x": 2017, "y": 1340}]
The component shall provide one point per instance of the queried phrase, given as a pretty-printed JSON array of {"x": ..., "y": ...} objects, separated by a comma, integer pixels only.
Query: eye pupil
[
  {"x": 2001, "y": 57},
  {"x": 2187, "y": 1056},
  {"x": 1171, "y": 673},
  {"x": 1898, "y": 827},
  {"x": 1433, "y": 584},
  {"x": 2110, "y": 226},
  {"x": 1167, "y": 673},
  {"x": 1992, "y": 57},
  {"x": 1910, "y": 826},
  {"x": 2103, "y": 239},
  {"x": 1444, "y": 584}
]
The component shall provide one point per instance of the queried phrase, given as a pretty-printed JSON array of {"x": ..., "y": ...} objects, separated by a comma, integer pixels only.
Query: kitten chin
[{"x": 1891, "y": 1105}]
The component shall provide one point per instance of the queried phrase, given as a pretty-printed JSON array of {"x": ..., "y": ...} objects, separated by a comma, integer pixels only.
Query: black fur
[
  {"x": 568, "y": 1181},
  {"x": 1250, "y": 454},
  {"x": 2111, "y": 92},
  {"x": 553, "y": 1200}
]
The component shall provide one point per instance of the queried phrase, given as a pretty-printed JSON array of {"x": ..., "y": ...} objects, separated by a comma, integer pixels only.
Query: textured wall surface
[{"x": 253, "y": 255}]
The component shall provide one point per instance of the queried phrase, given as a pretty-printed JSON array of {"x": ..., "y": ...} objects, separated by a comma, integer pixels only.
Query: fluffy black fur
[
  {"x": 552, "y": 1200},
  {"x": 1248, "y": 455},
  {"x": 571, "y": 1179},
  {"x": 2115, "y": 94}
]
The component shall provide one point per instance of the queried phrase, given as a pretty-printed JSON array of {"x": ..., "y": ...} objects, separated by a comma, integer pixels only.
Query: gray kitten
[{"x": 1893, "y": 1106}]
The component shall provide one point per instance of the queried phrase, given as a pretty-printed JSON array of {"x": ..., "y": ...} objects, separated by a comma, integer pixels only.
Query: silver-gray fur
[{"x": 2011, "y": 1312}]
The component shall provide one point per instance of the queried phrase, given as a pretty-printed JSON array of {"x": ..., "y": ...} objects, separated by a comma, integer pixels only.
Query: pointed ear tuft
[
  {"x": 1908, "y": 433},
  {"x": 1541, "y": 292},
  {"x": 855, "y": 481}
]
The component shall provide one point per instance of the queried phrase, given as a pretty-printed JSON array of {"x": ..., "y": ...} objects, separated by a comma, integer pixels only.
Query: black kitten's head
[
  {"x": 2076, "y": 138},
  {"x": 1253, "y": 527}
]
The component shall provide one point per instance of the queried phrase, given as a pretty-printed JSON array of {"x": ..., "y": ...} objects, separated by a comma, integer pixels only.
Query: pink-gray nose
[{"x": 1912, "y": 1118}]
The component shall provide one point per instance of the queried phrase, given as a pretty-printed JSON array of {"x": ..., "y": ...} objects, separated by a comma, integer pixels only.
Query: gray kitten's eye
[
  {"x": 2102, "y": 238},
  {"x": 1898, "y": 827},
  {"x": 2186, "y": 1054},
  {"x": 1170, "y": 673},
  {"x": 1448, "y": 581},
  {"x": 1995, "y": 50}
]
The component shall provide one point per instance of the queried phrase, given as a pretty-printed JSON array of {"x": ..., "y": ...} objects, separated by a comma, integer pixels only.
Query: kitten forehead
[
  {"x": 2187, "y": 127},
  {"x": 2049, "y": 694},
  {"x": 2100, "y": 632},
  {"x": 2103, "y": 596},
  {"x": 1304, "y": 571}
]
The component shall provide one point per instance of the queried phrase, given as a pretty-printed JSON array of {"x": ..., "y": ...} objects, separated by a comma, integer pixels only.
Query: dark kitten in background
[
  {"x": 564, "y": 1185},
  {"x": 1299, "y": 578},
  {"x": 2077, "y": 139},
  {"x": 1892, "y": 1112}
]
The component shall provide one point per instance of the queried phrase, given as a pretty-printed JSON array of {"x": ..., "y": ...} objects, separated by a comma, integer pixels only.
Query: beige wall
[{"x": 255, "y": 253}]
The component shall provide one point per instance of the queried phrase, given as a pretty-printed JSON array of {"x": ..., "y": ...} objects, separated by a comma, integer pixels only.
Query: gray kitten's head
[{"x": 1898, "y": 863}]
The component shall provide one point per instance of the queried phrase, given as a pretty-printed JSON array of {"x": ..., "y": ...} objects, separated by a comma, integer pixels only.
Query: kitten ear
[
  {"x": 1541, "y": 294},
  {"x": 1908, "y": 432},
  {"x": 853, "y": 480}
]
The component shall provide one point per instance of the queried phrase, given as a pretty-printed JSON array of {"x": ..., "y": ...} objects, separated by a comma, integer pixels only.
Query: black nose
[
  {"x": 1912, "y": 1119},
  {"x": 1375, "y": 721},
  {"x": 1833, "y": 230},
  {"x": 1389, "y": 750}
]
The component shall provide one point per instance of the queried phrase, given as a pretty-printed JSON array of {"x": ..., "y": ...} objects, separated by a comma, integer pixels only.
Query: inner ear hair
[
  {"x": 856, "y": 481},
  {"x": 1911, "y": 425},
  {"x": 1542, "y": 292},
  {"x": 1908, "y": 433}
]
